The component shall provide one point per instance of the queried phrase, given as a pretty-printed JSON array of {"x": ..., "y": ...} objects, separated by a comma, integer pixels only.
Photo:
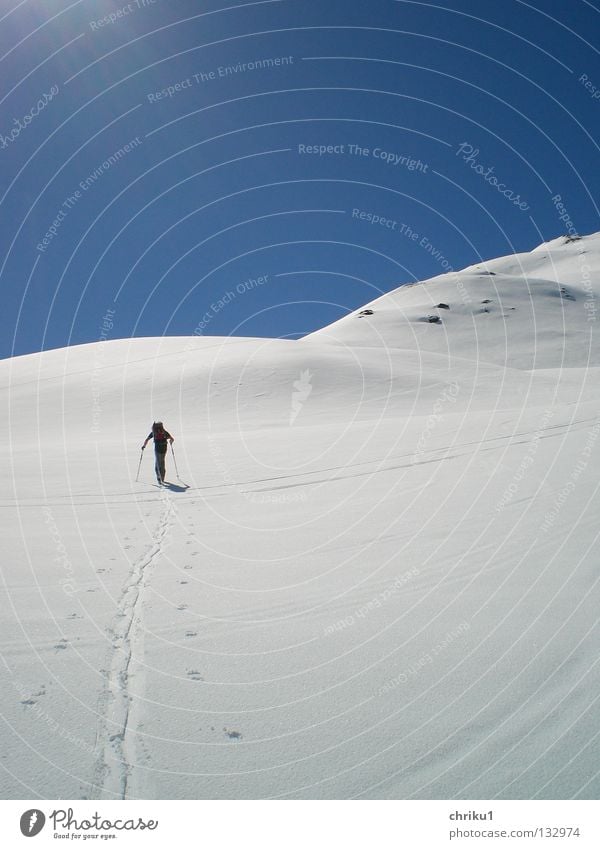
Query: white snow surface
[{"x": 375, "y": 574}]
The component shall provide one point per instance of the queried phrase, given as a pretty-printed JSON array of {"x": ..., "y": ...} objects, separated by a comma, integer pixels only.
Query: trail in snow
[
  {"x": 392, "y": 597},
  {"x": 114, "y": 766},
  {"x": 371, "y": 466}
]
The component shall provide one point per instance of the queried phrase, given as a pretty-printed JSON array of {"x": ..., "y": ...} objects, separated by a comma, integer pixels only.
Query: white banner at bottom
[{"x": 300, "y": 824}]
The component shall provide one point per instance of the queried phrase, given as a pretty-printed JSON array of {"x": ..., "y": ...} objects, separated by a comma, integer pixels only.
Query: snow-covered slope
[
  {"x": 531, "y": 310},
  {"x": 375, "y": 576}
]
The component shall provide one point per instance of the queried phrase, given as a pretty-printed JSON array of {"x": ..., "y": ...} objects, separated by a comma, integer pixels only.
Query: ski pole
[
  {"x": 140, "y": 464},
  {"x": 175, "y": 463}
]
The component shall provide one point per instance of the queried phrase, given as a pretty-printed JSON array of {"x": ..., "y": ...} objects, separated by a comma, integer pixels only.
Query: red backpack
[{"x": 159, "y": 434}]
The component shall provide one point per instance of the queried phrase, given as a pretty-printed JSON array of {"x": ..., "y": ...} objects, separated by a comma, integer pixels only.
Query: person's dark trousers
[{"x": 160, "y": 454}]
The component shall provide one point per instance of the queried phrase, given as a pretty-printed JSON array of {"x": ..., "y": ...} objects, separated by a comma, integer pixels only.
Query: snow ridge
[{"x": 114, "y": 767}]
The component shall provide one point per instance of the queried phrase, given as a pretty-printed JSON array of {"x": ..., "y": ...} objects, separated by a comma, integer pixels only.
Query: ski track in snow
[
  {"x": 373, "y": 466},
  {"x": 114, "y": 766}
]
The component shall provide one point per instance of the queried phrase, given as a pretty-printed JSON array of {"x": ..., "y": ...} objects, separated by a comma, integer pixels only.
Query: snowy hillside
[
  {"x": 532, "y": 310},
  {"x": 375, "y": 574}
]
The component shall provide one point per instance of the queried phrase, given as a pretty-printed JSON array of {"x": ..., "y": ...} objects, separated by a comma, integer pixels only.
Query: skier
[{"x": 161, "y": 437}]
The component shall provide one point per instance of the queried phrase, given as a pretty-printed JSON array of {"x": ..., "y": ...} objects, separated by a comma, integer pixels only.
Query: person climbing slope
[{"x": 161, "y": 437}]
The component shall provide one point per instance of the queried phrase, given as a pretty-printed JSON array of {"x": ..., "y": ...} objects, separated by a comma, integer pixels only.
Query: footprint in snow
[
  {"x": 27, "y": 701},
  {"x": 191, "y": 633},
  {"x": 183, "y": 582},
  {"x": 233, "y": 735},
  {"x": 195, "y": 675},
  {"x": 62, "y": 644},
  {"x": 182, "y": 607}
]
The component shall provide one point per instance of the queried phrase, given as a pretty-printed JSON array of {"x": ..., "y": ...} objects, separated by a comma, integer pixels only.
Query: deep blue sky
[{"x": 214, "y": 190}]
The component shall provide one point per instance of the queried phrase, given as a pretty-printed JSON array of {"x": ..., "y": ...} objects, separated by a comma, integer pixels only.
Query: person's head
[{"x": 157, "y": 426}]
